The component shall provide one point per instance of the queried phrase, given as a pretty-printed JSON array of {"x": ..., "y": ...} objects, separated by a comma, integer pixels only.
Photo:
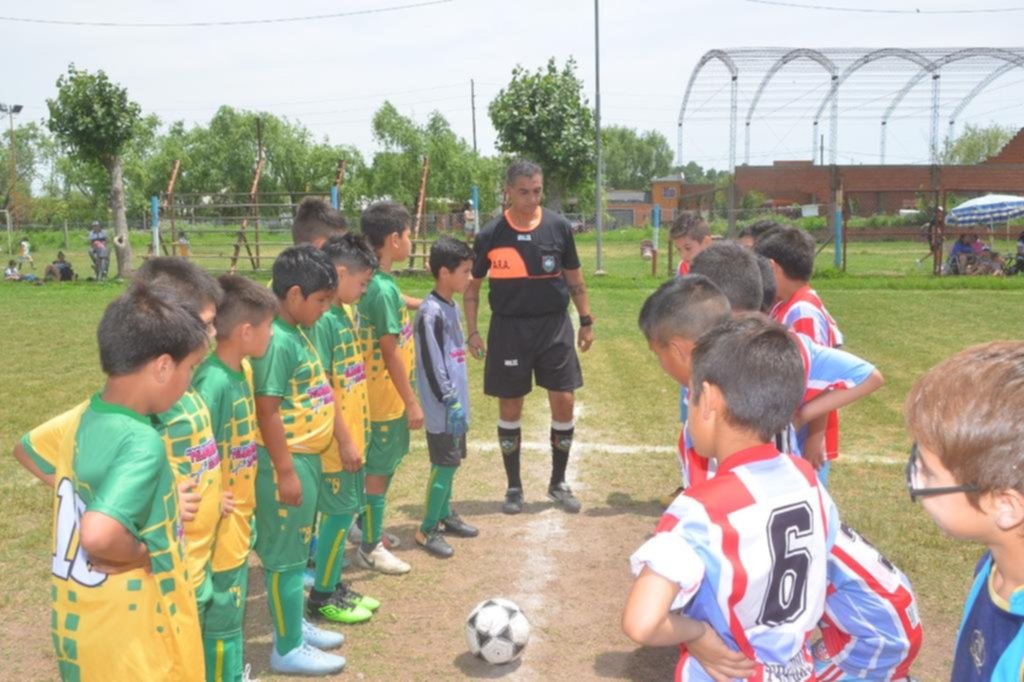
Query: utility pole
[
  {"x": 472, "y": 103},
  {"x": 597, "y": 121},
  {"x": 11, "y": 110}
]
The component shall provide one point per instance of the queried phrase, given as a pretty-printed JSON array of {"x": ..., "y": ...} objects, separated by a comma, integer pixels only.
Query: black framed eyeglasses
[{"x": 917, "y": 493}]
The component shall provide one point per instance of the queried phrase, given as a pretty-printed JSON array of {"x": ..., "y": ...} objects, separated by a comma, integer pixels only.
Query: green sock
[
  {"x": 446, "y": 508},
  {"x": 223, "y": 658},
  {"x": 286, "y": 600},
  {"x": 373, "y": 519},
  {"x": 329, "y": 550},
  {"x": 439, "y": 488}
]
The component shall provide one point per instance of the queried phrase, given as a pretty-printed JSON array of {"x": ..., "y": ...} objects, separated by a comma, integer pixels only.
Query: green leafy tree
[
  {"x": 544, "y": 116},
  {"x": 976, "y": 143},
  {"x": 95, "y": 120},
  {"x": 632, "y": 159},
  {"x": 31, "y": 143}
]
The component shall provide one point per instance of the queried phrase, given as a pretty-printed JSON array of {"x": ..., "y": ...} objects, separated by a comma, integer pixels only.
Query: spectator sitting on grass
[
  {"x": 11, "y": 271},
  {"x": 59, "y": 270}
]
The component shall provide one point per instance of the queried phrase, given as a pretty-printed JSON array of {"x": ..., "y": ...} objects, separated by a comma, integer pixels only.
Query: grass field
[{"x": 569, "y": 573}]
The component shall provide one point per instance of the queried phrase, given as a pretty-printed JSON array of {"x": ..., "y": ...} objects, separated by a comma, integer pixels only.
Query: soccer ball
[{"x": 497, "y": 631}]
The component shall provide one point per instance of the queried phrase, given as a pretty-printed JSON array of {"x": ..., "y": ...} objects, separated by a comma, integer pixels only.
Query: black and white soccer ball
[{"x": 497, "y": 631}]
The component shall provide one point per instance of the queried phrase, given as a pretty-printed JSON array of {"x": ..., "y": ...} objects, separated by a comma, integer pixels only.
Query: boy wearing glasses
[{"x": 967, "y": 469}]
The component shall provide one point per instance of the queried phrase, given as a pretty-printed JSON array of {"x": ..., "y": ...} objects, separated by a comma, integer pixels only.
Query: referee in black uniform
[{"x": 529, "y": 255}]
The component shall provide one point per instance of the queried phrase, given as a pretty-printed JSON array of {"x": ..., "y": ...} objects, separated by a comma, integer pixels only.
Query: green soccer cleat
[
  {"x": 337, "y": 609},
  {"x": 346, "y": 592}
]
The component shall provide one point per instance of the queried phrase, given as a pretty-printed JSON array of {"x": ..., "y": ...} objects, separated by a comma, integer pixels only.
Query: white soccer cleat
[
  {"x": 382, "y": 561},
  {"x": 306, "y": 660},
  {"x": 320, "y": 638}
]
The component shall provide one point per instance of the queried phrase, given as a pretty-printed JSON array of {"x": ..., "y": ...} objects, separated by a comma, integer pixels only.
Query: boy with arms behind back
[
  {"x": 123, "y": 607},
  {"x": 742, "y": 555},
  {"x": 966, "y": 469},
  {"x": 342, "y": 490},
  {"x": 386, "y": 333},
  {"x": 224, "y": 381},
  {"x": 296, "y": 412},
  {"x": 444, "y": 390}
]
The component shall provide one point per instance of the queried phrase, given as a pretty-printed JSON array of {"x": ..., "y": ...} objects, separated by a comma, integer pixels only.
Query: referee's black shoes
[
  {"x": 563, "y": 497},
  {"x": 513, "y": 501}
]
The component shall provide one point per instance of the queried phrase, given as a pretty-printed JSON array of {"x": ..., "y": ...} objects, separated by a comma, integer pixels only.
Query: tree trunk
[
  {"x": 553, "y": 193},
  {"x": 122, "y": 244}
]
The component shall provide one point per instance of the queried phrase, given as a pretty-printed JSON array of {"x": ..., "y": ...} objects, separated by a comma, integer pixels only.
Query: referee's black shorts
[{"x": 523, "y": 348}]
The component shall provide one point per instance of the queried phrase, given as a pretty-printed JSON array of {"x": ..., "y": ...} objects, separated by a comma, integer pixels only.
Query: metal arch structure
[
  {"x": 977, "y": 90},
  {"x": 780, "y": 63},
  {"x": 991, "y": 53},
  {"x": 886, "y": 80},
  {"x": 870, "y": 57},
  {"x": 734, "y": 73}
]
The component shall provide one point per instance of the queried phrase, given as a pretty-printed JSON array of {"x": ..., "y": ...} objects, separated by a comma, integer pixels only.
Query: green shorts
[
  {"x": 204, "y": 595},
  {"x": 283, "y": 532},
  {"x": 225, "y": 612},
  {"x": 342, "y": 492},
  {"x": 389, "y": 443}
]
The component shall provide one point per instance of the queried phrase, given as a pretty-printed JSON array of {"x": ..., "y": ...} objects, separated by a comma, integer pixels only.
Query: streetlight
[{"x": 11, "y": 110}]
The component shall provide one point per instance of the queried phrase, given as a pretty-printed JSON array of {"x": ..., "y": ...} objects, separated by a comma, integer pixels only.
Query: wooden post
[
  {"x": 169, "y": 199},
  {"x": 420, "y": 202},
  {"x": 242, "y": 239},
  {"x": 65, "y": 233},
  {"x": 254, "y": 197}
]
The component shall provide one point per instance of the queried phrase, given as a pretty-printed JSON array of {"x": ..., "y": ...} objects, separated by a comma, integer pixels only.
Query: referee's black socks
[
  {"x": 561, "y": 443},
  {"x": 510, "y": 439}
]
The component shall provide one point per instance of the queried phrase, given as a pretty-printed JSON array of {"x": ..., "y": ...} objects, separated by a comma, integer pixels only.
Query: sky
[{"x": 331, "y": 74}]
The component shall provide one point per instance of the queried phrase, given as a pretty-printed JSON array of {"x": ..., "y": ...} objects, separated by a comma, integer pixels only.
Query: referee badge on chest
[{"x": 548, "y": 263}]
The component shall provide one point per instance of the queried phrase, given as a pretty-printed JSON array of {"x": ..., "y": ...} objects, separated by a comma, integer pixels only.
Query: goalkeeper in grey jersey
[{"x": 442, "y": 384}]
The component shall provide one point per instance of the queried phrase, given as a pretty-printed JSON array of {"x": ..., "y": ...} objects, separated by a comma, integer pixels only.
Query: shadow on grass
[
  {"x": 623, "y": 503},
  {"x": 470, "y": 508},
  {"x": 479, "y": 669},
  {"x": 642, "y": 664}
]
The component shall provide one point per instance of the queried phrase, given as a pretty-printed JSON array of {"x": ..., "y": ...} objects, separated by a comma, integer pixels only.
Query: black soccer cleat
[
  {"x": 454, "y": 525},
  {"x": 563, "y": 497},
  {"x": 513, "y": 501},
  {"x": 435, "y": 544}
]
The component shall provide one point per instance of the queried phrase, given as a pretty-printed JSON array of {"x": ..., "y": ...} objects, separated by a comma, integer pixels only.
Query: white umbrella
[{"x": 988, "y": 209}]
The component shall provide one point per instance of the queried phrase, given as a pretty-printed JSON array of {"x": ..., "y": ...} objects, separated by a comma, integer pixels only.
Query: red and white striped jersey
[
  {"x": 748, "y": 550},
  {"x": 805, "y": 314}
]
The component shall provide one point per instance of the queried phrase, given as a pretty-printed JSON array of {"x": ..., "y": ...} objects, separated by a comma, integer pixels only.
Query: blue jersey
[
  {"x": 990, "y": 644},
  {"x": 748, "y": 552}
]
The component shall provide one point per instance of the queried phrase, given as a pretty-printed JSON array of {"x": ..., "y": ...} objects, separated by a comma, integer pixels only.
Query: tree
[
  {"x": 631, "y": 159},
  {"x": 543, "y": 116},
  {"x": 95, "y": 120},
  {"x": 696, "y": 174},
  {"x": 976, "y": 143}
]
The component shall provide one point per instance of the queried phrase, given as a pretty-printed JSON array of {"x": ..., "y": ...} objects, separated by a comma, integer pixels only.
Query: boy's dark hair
[
  {"x": 767, "y": 282},
  {"x": 382, "y": 219},
  {"x": 792, "y": 249},
  {"x": 733, "y": 269},
  {"x": 974, "y": 429},
  {"x": 759, "y": 228},
  {"x": 144, "y": 323},
  {"x": 521, "y": 168},
  {"x": 689, "y": 224},
  {"x": 685, "y": 307},
  {"x": 316, "y": 219},
  {"x": 244, "y": 301},
  {"x": 448, "y": 253},
  {"x": 351, "y": 252},
  {"x": 193, "y": 286},
  {"x": 306, "y": 267},
  {"x": 756, "y": 365}
]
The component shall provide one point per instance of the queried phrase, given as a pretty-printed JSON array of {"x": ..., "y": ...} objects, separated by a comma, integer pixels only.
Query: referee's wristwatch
[{"x": 586, "y": 320}]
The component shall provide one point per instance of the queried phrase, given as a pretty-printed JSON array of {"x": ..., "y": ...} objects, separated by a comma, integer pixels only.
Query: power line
[
  {"x": 866, "y": 10},
  {"x": 208, "y": 24}
]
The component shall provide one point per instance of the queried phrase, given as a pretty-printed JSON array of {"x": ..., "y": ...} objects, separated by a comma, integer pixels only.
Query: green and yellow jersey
[
  {"x": 336, "y": 337},
  {"x": 188, "y": 442},
  {"x": 43, "y": 442},
  {"x": 229, "y": 398},
  {"x": 291, "y": 370},
  {"x": 140, "y": 624},
  {"x": 381, "y": 312}
]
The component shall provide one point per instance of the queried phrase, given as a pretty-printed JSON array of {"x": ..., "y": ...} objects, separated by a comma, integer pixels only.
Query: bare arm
[
  {"x": 830, "y": 401},
  {"x": 400, "y": 377},
  {"x": 351, "y": 458},
  {"x": 412, "y": 302},
  {"x": 578, "y": 293},
  {"x": 268, "y": 415},
  {"x": 26, "y": 461},
  {"x": 110, "y": 546},
  {"x": 471, "y": 307}
]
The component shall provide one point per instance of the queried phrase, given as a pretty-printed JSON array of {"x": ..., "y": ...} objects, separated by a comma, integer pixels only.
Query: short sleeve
[
  {"x": 481, "y": 260},
  {"x": 131, "y": 485},
  {"x": 669, "y": 555},
  {"x": 381, "y": 310},
  {"x": 322, "y": 337},
  {"x": 43, "y": 442},
  {"x": 833, "y": 368},
  {"x": 272, "y": 373},
  {"x": 570, "y": 258}
]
